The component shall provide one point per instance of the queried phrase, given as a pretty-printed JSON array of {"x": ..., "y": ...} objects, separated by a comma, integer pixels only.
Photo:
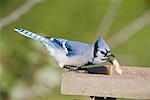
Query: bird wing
[{"x": 71, "y": 48}]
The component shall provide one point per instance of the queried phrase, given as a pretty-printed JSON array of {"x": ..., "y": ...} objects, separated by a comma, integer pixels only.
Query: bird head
[{"x": 102, "y": 51}]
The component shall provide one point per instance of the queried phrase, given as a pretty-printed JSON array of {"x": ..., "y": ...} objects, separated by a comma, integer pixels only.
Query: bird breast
[{"x": 62, "y": 59}]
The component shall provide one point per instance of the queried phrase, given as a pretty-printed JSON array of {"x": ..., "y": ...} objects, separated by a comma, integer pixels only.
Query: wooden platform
[{"x": 134, "y": 83}]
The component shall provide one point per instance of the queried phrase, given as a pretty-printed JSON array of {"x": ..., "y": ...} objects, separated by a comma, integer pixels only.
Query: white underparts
[{"x": 61, "y": 65}]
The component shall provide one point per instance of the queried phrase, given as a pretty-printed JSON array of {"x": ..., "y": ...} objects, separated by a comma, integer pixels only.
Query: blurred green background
[{"x": 27, "y": 72}]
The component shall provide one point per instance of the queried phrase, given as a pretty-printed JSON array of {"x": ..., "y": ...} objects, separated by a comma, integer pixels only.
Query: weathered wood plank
[{"x": 134, "y": 83}]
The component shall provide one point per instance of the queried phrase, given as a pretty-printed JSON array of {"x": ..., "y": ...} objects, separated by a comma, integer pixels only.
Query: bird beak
[
  {"x": 111, "y": 55},
  {"x": 108, "y": 58}
]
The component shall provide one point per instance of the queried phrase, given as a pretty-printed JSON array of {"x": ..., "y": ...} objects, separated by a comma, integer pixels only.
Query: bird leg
[
  {"x": 71, "y": 68},
  {"x": 81, "y": 68}
]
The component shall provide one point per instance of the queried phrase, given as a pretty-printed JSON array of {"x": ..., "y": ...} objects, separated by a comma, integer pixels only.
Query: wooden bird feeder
[{"x": 134, "y": 83}]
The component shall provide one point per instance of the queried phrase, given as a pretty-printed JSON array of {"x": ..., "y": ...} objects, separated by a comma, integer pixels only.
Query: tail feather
[{"x": 31, "y": 35}]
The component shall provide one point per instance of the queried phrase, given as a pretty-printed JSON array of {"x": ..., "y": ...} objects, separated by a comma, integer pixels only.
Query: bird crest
[{"x": 100, "y": 44}]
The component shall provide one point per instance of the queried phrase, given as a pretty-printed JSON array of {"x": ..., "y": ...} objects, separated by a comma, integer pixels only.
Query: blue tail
[{"x": 31, "y": 35}]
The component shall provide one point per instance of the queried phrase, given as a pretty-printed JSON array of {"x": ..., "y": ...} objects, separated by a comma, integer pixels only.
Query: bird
[{"x": 73, "y": 55}]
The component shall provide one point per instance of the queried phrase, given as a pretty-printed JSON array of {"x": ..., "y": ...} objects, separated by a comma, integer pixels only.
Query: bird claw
[
  {"x": 75, "y": 69},
  {"x": 71, "y": 69}
]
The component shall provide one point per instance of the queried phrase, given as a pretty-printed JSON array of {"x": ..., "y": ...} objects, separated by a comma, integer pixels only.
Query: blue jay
[{"x": 72, "y": 54}]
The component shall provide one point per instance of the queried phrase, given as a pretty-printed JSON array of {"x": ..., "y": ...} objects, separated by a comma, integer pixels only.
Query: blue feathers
[
  {"x": 70, "y": 51},
  {"x": 102, "y": 43},
  {"x": 31, "y": 35},
  {"x": 63, "y": 44},
  {"x": 58, "y": 42},
  {"x": 70, "y": 54}
]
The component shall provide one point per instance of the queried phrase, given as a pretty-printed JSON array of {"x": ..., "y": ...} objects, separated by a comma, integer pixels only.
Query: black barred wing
[{"x": 65, "y": 45}]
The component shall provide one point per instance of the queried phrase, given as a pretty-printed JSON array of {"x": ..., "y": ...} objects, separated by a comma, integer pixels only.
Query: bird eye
[{"x": 102, "y": 52}]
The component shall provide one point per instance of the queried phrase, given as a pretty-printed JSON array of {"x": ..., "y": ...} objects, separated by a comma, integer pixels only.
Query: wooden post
[{"x": 134, "y": 83}]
